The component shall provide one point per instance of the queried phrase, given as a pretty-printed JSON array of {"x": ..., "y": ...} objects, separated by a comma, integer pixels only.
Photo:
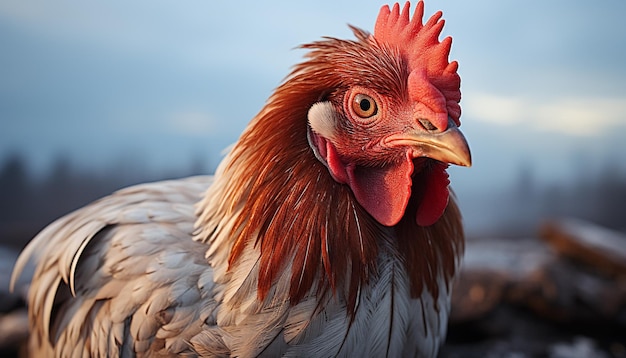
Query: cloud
[
  {"x": 578, "y": 116},
  {"x": 493, "y": 108}
]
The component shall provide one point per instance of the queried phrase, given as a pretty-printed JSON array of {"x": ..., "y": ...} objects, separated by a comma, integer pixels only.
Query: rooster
[{"x": 327, "y": 230}]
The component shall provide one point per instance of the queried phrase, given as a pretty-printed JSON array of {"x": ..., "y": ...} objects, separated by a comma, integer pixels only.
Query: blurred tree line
[
  {"x": 599, "y": 197},
  {"x": 29, "y": 202}
]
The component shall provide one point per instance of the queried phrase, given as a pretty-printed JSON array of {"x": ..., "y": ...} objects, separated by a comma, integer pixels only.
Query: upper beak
[{"x": 448, "y": 146}]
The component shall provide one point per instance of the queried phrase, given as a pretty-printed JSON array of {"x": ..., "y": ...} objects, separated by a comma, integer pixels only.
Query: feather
[
  {"x": 110, "y": 284},
  {"x": 278, "y": 254}
]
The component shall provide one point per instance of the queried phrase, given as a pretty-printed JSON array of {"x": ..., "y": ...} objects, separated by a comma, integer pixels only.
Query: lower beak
[{"x": 448, "y": 146}]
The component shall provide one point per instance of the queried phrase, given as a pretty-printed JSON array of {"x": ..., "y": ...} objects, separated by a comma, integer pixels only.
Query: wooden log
[
  {"x": 495, "y": 271},
  {"x": 573, "y": 275},
  {"x": 595, "y": 246}
]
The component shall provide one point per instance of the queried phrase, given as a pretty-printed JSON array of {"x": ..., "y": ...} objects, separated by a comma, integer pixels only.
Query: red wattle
[
  {"x": 383, "y": 192},
  {"x": 435, "y": 195}
]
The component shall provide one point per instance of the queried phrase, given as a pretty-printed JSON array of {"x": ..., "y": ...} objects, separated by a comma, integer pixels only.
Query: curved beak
[{"x": 448, "y": 146}]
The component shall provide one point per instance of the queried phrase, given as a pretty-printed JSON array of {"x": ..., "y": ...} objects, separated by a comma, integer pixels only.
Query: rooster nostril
[{"x": 427, "y": 124}]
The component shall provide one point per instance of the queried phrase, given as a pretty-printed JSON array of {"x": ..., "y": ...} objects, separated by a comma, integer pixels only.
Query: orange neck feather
[{"x": 297, "y": 214}]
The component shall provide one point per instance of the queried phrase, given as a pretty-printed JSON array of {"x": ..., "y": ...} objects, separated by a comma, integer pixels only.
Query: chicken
[{"x": 327, "y": 230}]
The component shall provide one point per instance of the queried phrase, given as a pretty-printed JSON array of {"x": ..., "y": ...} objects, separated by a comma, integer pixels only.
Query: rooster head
[{"x": 387, "y": 125}]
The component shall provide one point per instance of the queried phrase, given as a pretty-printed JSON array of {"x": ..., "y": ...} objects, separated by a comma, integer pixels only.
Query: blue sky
[{"x": 166, "y": 83}]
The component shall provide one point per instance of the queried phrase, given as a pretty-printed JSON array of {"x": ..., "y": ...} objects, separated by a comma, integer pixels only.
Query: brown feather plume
[{"x": 297, "y": 213}]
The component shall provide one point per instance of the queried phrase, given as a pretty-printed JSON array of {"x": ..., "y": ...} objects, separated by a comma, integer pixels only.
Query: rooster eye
[{"x": 364, "y": 106}]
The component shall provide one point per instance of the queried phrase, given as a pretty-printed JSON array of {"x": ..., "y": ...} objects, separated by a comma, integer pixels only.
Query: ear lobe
[
  {"x": 321, "y": 133},
  {"x": 322, "y": 119},
  {"x": 325, "y": 152}
]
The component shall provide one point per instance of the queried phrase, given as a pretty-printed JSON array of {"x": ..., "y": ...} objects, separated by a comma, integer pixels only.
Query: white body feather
[{"x": 124, "y": 276}]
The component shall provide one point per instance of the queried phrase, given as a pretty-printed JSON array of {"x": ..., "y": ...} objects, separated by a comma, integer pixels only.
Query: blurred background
[{"x": 95, "y": 96}]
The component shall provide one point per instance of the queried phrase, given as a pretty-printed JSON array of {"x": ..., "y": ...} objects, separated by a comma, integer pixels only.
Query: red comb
[{"x": 433, "y": 79}]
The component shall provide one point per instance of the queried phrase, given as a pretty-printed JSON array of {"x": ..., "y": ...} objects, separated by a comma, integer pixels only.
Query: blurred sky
[{"x": 166, "y": 83}]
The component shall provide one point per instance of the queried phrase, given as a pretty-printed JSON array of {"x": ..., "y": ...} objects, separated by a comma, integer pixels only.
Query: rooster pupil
[{"x": 365, "y": 105}]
